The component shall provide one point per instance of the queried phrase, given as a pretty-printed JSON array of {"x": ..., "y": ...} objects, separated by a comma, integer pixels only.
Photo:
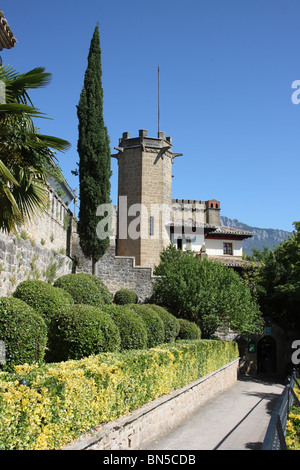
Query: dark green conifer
[{"x": 94, "y": 155}]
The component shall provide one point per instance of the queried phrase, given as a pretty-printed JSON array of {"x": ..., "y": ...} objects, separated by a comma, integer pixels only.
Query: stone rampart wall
[
  {"x": 49, "y": 247},
  {"x": 117, "y": 272},
  {"x": 22, "y": 259},
  {"x": 50, "y": 229}
]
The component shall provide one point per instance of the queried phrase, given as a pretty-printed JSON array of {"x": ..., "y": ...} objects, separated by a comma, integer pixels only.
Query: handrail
[{"x": 275, "y": 435}]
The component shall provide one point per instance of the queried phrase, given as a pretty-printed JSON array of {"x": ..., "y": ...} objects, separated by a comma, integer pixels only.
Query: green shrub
[
  {"x": 24, "y": 332},
  {"x": 77, "y": 395},
  {"x": 153, "y": 322},
  {"x": 205, "y": 292},
  {"x": 85, "y": 289},
  {"x": 125, "y": 296},
  {"x": 188, "y": 330},
  {"x": 43, "y": 297},
  {"x": 133, "y": 331},
  {"x": 77, "y": 331},
  {"x": 171, "y": 323}
]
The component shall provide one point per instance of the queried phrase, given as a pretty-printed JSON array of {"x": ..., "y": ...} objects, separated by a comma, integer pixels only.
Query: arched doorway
[{"x": 266, "y": 355}]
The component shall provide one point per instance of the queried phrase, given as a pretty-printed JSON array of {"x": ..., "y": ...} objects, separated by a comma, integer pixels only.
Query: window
[
  {"x": 151, "y": 226},
  {"x": 188, "y": 243},
  {"x": 179, "y": 243},
  {"x": 227, "y": 249}
]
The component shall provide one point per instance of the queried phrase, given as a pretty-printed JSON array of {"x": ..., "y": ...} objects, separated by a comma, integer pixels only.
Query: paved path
[{"x": 236, "y": 419}]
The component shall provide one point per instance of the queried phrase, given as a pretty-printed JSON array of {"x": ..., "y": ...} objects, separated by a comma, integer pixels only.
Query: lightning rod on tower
[{"x": 158, "y": 101}]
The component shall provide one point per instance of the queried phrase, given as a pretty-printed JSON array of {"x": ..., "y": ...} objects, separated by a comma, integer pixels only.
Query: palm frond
[
  {"x": 18, "y": 84},
  {"x": 20, "y": 109},
  {"x": 8, "y": 73},
  {"x": 22, "y": 202},
  {"x": 54, "y": 142},
  {"x": 7, "y": 175},
  {"x": 10, "y": 214},
  {"x": 27, "y": 157},
  {"x": 32, "y": 194}
]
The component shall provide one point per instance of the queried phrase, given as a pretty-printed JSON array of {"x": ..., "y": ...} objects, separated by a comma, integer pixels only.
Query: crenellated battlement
[
  {"x": 144, "y": 141},
  {"x": 188, "y": 201}
]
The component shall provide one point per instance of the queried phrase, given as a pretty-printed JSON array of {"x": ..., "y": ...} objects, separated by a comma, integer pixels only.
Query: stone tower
[{"x": 144, "y": 196}]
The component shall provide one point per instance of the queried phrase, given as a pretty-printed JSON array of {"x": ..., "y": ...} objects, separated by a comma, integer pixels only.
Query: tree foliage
[
  {"x": 277, "y": 281},
  {"x": 27, "y": 157},
  {"x": 205, "y": 292},
  {"x": 94, "y": 155}
]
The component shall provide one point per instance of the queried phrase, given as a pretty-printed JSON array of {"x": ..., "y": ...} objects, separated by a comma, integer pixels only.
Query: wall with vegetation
[
  {"x": 21, "y": 258},
  {"x": 50, "y": 229},
  {"x": 60, "y": 401}
]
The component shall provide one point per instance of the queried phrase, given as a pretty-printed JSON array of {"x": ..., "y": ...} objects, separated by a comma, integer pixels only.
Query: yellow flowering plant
[
  {"x": 60, "y": 401},
  {"x": 293, "y": 425}
]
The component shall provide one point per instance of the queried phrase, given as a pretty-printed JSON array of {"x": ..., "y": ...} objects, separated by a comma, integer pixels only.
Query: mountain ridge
[{"x": 262, "y": 237}]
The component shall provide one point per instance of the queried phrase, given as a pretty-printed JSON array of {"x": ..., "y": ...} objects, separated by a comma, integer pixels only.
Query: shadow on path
[{"x": 236, "y": 419}]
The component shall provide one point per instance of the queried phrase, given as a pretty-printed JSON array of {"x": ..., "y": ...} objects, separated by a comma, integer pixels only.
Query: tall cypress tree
[{"x": 94, "y": 155}]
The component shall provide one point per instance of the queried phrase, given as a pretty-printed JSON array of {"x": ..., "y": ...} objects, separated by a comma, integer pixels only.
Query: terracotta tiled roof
[
  {"x": 232, "y": 231},
  {"x": 7, "y": 39},
  {"x": 213, "y": 230}
]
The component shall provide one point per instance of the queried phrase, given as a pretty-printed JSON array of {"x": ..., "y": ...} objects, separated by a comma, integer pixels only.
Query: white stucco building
[{"x": 196, "y": 227}]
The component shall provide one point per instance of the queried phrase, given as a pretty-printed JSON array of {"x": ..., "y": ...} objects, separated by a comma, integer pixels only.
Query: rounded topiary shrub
[
  {"x": 188, "y": 330},
  {"x": 171, "y": 323},
  {"x": 133, "y": 331},
  {"x": 78, "y": 331},
  {"x": 85, "y": 289},
  {"x": 153, "y": 323},
  {"x": 23, "y": 331},
  {"x": 125, "y": 296},
  {"x": 43, "y": 297}
]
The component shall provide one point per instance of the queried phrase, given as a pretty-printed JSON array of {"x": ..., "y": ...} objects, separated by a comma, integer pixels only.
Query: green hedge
[
  {"x": 43, "y": 297},
  {"x": 153, "y": 322},
  {"x": 78, "y": 331},
  {"x": 188, "y": 330},
  {"x": 61, "y": 401},
  {"x": 133, "y": 331},
  {"x": 85, "y": 289},
  {"x": 171, "y": 323},
  {"x": 125, "y": 296},
  {"x": 24, "y": 332}
]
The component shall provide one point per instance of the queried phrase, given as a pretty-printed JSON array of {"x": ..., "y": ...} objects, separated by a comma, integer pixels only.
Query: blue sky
[{"x": 226, "y": 74}]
